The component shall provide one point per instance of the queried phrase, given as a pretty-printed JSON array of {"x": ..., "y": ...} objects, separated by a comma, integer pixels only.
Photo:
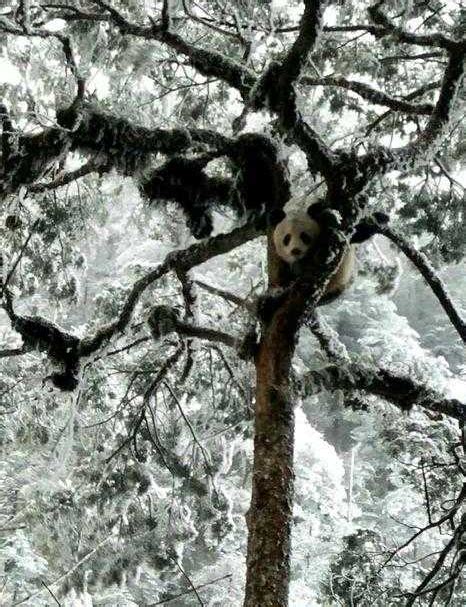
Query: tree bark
[{"x": 270, "y": 515}]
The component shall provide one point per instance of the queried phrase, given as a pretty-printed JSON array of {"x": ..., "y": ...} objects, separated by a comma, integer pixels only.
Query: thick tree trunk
[{"x": 270, "y": 515}]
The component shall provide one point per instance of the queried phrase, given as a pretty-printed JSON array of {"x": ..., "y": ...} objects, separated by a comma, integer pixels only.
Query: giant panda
[{"x": 297, "y": 238}]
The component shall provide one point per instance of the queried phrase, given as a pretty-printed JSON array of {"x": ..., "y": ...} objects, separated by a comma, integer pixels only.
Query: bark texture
[{"x": 270, "y": 515}]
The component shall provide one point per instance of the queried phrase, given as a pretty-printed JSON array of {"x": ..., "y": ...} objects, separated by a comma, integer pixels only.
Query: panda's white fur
[{"x": 296, "y": 234}]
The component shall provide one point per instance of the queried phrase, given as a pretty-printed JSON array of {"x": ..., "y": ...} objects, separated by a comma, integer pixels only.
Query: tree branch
[
  {"x": 413, "y": 95},
  {"x": 435, "y": 39},
  {"x": 309, "y": 30},
  {"x": 402, "y": 391},
  {"x": 207, "y": 62},
  {"x": 382, "y": 160},
  {"x": 275, "y": 90},
  {"x": 370, "y": 94},
  {"x": 430, "y": 276},
  {"x": 68, "y": 349},
  {"x": 113, "y": 141},
  {"x": 26, "y": 30},
  {"x": 185, "y": 260},
  {"x": 163, "y": 320}
]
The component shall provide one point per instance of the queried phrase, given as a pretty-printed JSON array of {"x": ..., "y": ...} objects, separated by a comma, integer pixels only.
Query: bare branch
[
  {"x": 208, "y": 334},
  {"x": 207, "y": 62},
  {"x": 228, "y": 296},
  {"x": 371, "y": 94},
  {"x": 435, "y": 39},
  {"x": 430, "y": 276},
  {"x": 92, "y": 166},
  {"x": 402, "y": 391},
  {"x": 164, "y": 320},
  {"x": 198, "y": 587},
  {"x": 188, "y": 579},
  {"x": 185, "y": 259},
  {"x": 382, "y": 160}
]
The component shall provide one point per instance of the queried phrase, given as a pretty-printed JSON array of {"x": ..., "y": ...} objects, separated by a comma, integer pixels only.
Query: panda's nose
[{"x": 295, "y": 252}]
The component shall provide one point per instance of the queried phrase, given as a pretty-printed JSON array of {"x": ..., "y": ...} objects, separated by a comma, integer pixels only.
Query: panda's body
[{"x": 296, "y": 239}]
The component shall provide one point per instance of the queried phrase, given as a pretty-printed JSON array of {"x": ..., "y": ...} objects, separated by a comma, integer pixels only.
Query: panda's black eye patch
[
  {"x": 286, "y": 240},
  {"x": 305, "y": 238}
]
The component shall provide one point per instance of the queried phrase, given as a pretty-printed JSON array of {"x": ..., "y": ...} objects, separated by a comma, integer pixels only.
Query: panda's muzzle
[{"x": 296, "y": 252}]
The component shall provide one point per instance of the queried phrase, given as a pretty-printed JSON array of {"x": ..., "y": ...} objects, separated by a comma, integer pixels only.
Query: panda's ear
[
  {"x": 275, "y": 216},
  {"x": 315, "y": 210}
]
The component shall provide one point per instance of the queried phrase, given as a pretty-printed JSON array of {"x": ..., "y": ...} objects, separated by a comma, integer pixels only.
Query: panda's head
[{"x": 294, "y": 236}]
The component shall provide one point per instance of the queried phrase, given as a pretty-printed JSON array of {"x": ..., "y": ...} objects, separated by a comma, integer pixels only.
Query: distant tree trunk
[{"x": 270, "y": 515}]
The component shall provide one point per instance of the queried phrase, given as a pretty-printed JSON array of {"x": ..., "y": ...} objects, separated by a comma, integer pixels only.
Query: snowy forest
[{"x": 187, "y": 418}]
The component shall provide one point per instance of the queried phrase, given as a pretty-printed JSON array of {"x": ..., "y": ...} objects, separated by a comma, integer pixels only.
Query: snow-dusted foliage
[{"x": 126, "y": 453}]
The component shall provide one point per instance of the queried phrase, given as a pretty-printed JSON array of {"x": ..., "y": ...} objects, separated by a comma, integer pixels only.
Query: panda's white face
[{"x": 294, "y": 236}]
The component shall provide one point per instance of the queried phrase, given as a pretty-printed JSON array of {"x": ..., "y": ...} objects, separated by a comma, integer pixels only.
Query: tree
[{"x": 103, "y": 102}]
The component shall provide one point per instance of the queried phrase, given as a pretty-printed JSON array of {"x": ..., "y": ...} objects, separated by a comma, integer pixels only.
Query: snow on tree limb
[
  {"x": 389, "y": 28},
  {"x": 402, "y": 391},
  {"x": 430, "y": 276},
  {"x": 381, "y": 160}
]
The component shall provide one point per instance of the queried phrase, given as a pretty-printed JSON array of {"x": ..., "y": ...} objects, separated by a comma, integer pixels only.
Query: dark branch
[
  {"x": 184, "y": 260},
  {"x": 207, "y": 61},
  {"x": 435, "y": 39},
  {"x": 309, "y": 30},
  {"x": 426, "y": 88},
  {"x": 402, "y": 391},
  {"x": 275, "y": 90},
  {"x": 382, "y": 160},
  {"x": 67, "y": 349},
  {"x": 430, "y": 276},
  {"x": 371, "y": 94},
  {"x": 92, "y": 166},
  {"x": 114, "y": 142},
  {"x": 164, "y": 320}
]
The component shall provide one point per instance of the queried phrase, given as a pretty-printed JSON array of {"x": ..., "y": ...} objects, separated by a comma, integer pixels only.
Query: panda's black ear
[
  {"x": 275, "y": 216},
  {"x": 316, "y": 209}
]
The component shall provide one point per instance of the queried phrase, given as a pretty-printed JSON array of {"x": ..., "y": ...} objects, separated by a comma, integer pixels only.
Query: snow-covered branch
[
  {"x": 67, "y": 349},
  {"x": 111, "y": 141},
  {"x": 207, "y": 61},
  {"x": 389, "y": 28},
  {"x": 402, "y": 391},
  {"x": 381, "y": 160},
  {"x": 430, "y": 276}
]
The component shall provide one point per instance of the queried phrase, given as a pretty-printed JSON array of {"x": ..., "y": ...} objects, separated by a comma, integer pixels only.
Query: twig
[
  {"x": 18, "y": 259},
  {"x": 227, "y": 296},
  {"x": 188, "y": 579},
  {"x": 177, "y": 596},
  {"x": 68, "y": 573},
  {"x": 51, "y": 593}
]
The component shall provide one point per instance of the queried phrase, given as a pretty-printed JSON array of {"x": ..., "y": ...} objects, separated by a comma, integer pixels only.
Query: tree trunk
[{"x": 270, "y": 515}]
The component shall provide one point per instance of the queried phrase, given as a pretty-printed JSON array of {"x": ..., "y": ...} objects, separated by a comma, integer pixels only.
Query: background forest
[{"x": 126, "y": 438}]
